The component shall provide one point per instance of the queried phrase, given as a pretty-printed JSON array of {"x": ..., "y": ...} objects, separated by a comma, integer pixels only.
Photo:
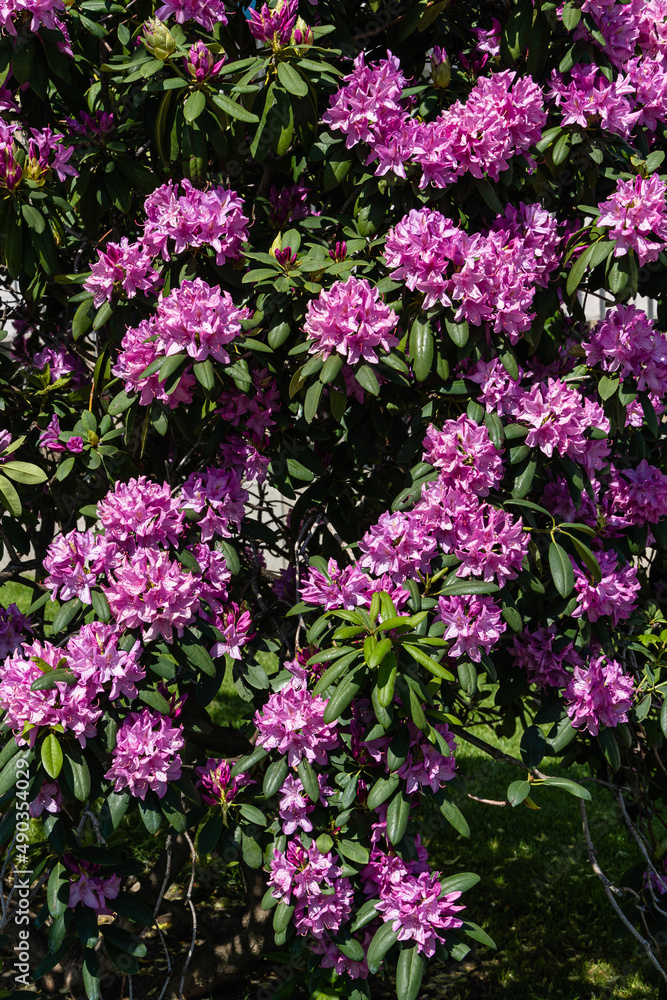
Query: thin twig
[
  {"x": 642, "y": 847},
  {"x": 487, "y": 802},
  {"x": 612, "y": 890},
  {"x": 163, "y": 889},
  {"x": 188, "y": 899}
]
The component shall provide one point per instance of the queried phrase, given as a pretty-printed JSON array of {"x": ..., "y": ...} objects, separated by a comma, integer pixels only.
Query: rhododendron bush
[{"x": 300, "y": 398}]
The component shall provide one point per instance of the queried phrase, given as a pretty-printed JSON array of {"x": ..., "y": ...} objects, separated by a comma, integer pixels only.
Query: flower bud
[
  {"x": 200, "y": 64},
  {"x": 302, "y": 33},
  {"x": 441, "y": 68},
  {"x": 158, "y": 39}
]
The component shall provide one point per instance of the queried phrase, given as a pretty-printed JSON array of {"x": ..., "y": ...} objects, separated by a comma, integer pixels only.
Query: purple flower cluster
[
  {"x": 121, "y": 265},
  {"x": 417, "y": 909},
  {"x": 613, "y": 596},
  {"x": 545, "y": 657},
  {"x": 351, "y": 319},
  {"x": 89, "y": 887},
  {"x": 489, "y": 278},
  {"x": 348, "y": 587},
  {"x": 274, "y": 24},
  {"x": 502, "y": 118},
  {"x": 291, "y": 723},
  {"x": 196, "y": 218},
  {"x": 13, "y": 629},
  {"x": 636, "y": 217},
  {"x": 627, "y": 341},
  {"x": 311, "y": 881},
  {"x": 599, "y": 694},
  {"x": 150, "y": 591},
  {"x": 146, "y": 755},
  {"x": 464, "y": 455},
  {"x": 140, "y": 513},
  {"x": 639, "y": 495},
  {"x": 208, "y": 13},
  {"x": 590, "y": 97},
  {"x": 474, "y": 623}
]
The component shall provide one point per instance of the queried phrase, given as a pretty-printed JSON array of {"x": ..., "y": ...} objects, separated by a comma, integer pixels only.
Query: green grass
[{"x": 557, "y": 936}]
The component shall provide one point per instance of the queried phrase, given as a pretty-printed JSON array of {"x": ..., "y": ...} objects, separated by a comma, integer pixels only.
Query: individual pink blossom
[
  {"x": 291, "y": 723},
  {"x": 74, "y": 563},
  {"x": 74, "y": 444},
  {"x": 146, "y": 756},
  {"x": 464, "y": 455},
  {"x": 49, "y": 438},
  {"x": 545, "y": 657},
  {"x": 614, "y": 596},
  {"x": 150, "y": 591},
  {"x": 48, "y": 799},
  {"x": 90, "y": 888},
  {"x": 350, "y": 318},
  {"x": 636, "y": 216},
  {"x": 140, "y": 512},
  {"x": 600, "y": 695},
  {"x": 474, "y": 622},
  {"x": 235, "y": 625},
  {"x": 121, "y": 265}
]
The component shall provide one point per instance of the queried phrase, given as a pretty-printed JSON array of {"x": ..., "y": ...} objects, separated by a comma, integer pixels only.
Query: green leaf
[
  {"x": 312, "y": 401},
  {"x": 458, "y": 883},
  {"x": 252, "y": 852},
  {"x": 274, "y": 777},
  {"x": 75, "y": 771},
  {"x": 245, "y": 763},
  {"x": 86, "y": 926},
  {"x": 561, "y": 569},
  {"x": 51, "y": 756},
  {"x": 151, "y": 817},
  {"x": 477, "y": 934},
  {"x": 533, "y": 746},
  {"x": 282, "y": 915},
  {"x": 155, "y": 700},
  {"x": 610, "y": 748},
  {"x": 291, "y": 80},
  {"x": 50, "y": 678},
  {"x": 409, "y": 972},
  {"x": 430, "y": 664},
  {"x": 353, "y": 851},
  {"x": 607, "y": 386},
  {"x": 422, "y": 349},
  {"x": 91, "y": 974},
  {"x": 458, "y": 332},
  {"x": 204, "y": 373},
  {"x": 309, "y": 780},
  {"x": 517, "y": 792},
  {"x": 569, "y": 786},
  {"x": 348, "y": 688},
  {"x": 398, "y": 814},
  {"x": 65, "y": 614},
  {"x": 365, "y": 914},
  {"x": 366, "y": 378},
  {"x": 384, "y": 939},
  {"x": 129, "y": 906},
  {"x": 453, "y": 815},
  {"x": 23, "y": 472},
  {"x": 381, "y": 790},
  {"x": 577, "y": 271},
  {"x": 194, "y": 106},
  {"x": 209, "y": 834},
  {"x": 57, "y": 890},
  {"x": 233, "y": 109},
  {"x": 588, "y": 558},
  {"x": 33, "y": 217},
  {"x": 571, "y": 15},
  {"x": 252, "y": 814},
  {"x": 9, "y": 498}
]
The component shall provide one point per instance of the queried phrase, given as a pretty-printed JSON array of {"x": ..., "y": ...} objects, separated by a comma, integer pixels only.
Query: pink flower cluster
[
  {"x": 235, "y": 624},
  {"x": 42, "y": 13},
  {"x": 599, "y": 695},
  {"x": 627, "y": 341},
  {"x": 208, "y": 13},
  {"x": 545, "y": 657},
  {"x": 291, "y": 723},
  {"x": 502, "y": 118},
  {"x": 474, "y": 623},
  {"x": 348, "y": 587},
  {"x": 589, "y": 97},
  {"x": 269, "y": 23},
  {"x": 639, "y": 495},
  {"x": 219, "y": 496},
  {"x": 150, "y": 591},
  {"x": 636, "y": 217},
  {"x": 194, "y": 219},
  {"x": 140, "y": 348},
  {"x": 351, "y": 319},
  {"x": 464, "y": 455},
  {"x": 612, "y": 597},
  {"x": 72, "y": 706},
  {"x": 97, "y": 660},
  {"x": 121, "y": 265},
  {"x": 146, "y": 755},
  {"x": 216, "y": 784},
  {"x": 13, "y": 629},
  {"x": 489, "y": 278},
  {"x": 90, "y": 888},
  {"x": 74, "y": 563},
  {"x": 313, "y": 881},
  {"x": 140, "y": 513},
  {"x": 417, "y": 909}
]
